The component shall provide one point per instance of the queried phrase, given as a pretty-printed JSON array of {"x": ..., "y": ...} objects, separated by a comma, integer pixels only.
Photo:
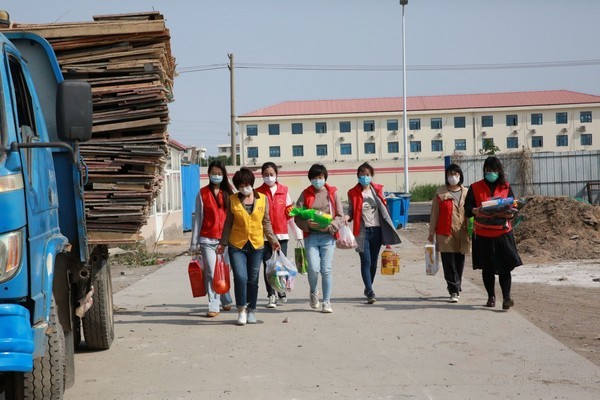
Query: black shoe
[
  {"x": 371, "y": 298},
  {"x": 506, "y": 304},
  {"x": 491, "y": 302}
]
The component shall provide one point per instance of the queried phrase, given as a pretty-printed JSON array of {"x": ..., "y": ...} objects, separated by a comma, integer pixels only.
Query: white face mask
[
  {"x": 246, "y": 190},
  {"x": 453, "y": 179},
  {"x": 270, "y": 180}
]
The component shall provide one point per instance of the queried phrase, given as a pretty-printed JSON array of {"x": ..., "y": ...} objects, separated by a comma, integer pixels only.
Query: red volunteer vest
[
  {"x": 214, "y": 214},
  {"x": 277, "y": 205},
  {"x": 309, "y": 198},
  {"x": 484, "y": 226},
  {"x": 444, "y": 224},
  {"x": 356, "y": 197}
]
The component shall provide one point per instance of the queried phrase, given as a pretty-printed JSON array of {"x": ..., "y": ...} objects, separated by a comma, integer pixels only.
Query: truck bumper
[{"x": 16, "y": 339}]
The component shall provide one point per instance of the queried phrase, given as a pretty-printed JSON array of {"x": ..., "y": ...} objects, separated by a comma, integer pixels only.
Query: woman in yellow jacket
[{"x": 246, "y": 225}]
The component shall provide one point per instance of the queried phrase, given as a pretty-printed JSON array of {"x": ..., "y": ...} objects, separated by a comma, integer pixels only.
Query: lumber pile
[{"x": 127, "y": 60}]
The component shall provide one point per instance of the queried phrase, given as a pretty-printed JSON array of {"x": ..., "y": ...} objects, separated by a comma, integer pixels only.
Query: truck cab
[{"x": 49, "y": 276}]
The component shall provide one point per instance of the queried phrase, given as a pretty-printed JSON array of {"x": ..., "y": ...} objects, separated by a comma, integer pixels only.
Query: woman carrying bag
[
  {"x": 211, "y": 208},
  {"x": 372, "y": 225}
]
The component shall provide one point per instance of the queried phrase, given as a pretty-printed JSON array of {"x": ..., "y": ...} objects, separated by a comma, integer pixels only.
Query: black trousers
[
  {"x": 453, "y": 264},
  {"x": 489, "y": 281}
]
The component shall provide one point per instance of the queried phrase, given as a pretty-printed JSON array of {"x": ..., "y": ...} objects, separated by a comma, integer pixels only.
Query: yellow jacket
[{"x": 241, "y": 227}]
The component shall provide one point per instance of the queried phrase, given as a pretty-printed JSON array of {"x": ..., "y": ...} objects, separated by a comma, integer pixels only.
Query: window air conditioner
[
  {"x": 532, "y": 131},
  {"x": 411, "y": 136},
  {"x": 342, "y": 139},
  {"x": 371, "y": 137},
  {"x": 515, "y": 132},
  {"x": 564, "y": 130},
  {"x": 483, "y": 133},
  {"x": 581, "y": 128}
]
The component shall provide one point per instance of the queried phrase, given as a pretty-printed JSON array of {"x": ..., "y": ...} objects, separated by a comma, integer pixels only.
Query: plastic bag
[
  {"x": 221, "y": 277},
  {"x": 196, "y": 275},
  {"x": 432, "y": 259},
  {"x": 346, "y": 239},
  {"x": 281, "y": 272},
  {"x": 301, "y": 260}
]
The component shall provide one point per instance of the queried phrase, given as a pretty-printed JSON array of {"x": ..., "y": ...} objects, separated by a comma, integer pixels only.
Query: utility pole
[{"x": 232, "y": 106}]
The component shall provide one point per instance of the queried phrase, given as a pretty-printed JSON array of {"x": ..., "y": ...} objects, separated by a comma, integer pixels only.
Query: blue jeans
[
  {"x": 369, "y": 257},
  {"x": 209, "y": 259},
  {"x": 245, "y": 263},
  {"x": 319, "y": 254}
]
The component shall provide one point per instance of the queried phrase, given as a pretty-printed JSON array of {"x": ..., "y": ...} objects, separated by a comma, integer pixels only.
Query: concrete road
[{"x": 411, "y": 344}]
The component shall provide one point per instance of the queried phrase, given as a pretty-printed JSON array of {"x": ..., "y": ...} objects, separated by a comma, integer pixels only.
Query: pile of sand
[{"x": 558, "y": 228}]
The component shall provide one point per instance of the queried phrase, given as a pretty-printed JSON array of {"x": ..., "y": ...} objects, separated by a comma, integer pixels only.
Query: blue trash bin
[{"x": 398, "y": 204}]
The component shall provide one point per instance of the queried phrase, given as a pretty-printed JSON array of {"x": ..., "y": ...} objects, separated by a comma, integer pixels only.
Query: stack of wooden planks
[{"x": 127, "y": 60}]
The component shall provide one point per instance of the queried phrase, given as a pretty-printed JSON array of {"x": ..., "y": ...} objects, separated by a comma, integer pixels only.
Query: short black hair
[
  {"x": 316, "y": 170},
  {"x": 243, "y": 176},
  {"x": 365, "y": 167},
  {"x": 493, "y": 164},
  {"x": 457, "y": 169},
  {"x": 267, "y": 165}
]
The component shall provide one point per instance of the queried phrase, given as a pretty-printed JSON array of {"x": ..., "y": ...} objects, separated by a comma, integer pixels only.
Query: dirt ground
[{"x": 567, "y": 309}]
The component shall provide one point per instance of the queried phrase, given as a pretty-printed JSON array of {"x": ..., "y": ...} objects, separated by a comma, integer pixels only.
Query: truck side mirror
[{"x": 74, "y": 111}]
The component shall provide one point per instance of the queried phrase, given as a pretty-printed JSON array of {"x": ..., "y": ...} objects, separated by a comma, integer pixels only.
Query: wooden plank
[{"x": 61, "y": 30}]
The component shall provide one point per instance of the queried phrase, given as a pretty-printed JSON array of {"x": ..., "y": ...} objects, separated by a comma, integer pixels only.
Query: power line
[{"x": 440, "y": 67}]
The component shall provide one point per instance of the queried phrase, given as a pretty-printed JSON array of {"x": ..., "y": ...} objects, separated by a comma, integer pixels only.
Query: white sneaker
[
  {"x": 251, "y": 319},
  {"x": 453, "y": 298},
  {"x": 272, "y": 301},
  {"x": 327, "y": 307},
  {"x": 314, "y": 300},
  {"x": 242, "y": 318}
]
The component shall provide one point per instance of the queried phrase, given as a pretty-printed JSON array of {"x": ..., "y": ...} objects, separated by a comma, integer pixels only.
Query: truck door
[{"x": 38, "y": 176}]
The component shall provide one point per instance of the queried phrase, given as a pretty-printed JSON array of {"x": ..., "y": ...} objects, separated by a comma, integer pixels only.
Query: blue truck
[{"x": 55, "y": 288}]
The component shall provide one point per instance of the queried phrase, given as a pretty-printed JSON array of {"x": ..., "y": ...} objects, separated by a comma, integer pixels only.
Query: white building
[{"x": 359, "y": 130}]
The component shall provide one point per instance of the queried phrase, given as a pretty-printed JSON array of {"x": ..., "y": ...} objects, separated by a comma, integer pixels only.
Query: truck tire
[
  {"x": 47, "y": 380},
  {"x": 98, "y": 322}
]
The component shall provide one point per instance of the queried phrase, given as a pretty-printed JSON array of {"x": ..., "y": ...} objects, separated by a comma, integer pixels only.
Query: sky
[{"x": 444, "y": 39}]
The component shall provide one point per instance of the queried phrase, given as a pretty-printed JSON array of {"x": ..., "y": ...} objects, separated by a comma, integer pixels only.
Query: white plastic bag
[
  {"x": 346, "y": 239},
  {"x": 281, "y": 272},
  {"x": 432, "y": 259}
]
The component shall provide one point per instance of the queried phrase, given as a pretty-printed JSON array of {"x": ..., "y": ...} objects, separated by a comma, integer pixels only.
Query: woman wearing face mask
[
  {"x": 494, "y": 247},
  {"x": 449, "y": 225},
  {"x": 209, "y": 217},
  {"x": 278, "y": 197},
  {"x": 320, "y": 242},
  {"x": 372, "y": 225}
]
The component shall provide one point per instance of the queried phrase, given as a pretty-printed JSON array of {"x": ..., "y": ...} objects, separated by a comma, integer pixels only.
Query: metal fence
[{"x": 547, "y": 174}]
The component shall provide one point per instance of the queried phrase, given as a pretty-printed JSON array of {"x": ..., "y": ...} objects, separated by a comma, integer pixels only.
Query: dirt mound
[{"x": 558, "y": 228}]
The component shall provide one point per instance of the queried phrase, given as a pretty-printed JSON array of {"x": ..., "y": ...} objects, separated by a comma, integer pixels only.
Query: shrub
[{"x": 423, "y": 192}]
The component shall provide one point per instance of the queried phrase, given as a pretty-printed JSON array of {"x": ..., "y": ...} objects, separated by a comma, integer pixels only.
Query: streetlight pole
[{"x": 404, "y": 117}]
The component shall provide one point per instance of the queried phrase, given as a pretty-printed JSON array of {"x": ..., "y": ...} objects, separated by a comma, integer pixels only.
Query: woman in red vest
[
  {"x": 209, "y": 217},
  {"x": 449, "y": 226},
  {"x": 320, "y": 242},
  {"x": 372, "y": 224},
  {"x": 279, "y": 199},
  {"x": 494, "y": 246}
]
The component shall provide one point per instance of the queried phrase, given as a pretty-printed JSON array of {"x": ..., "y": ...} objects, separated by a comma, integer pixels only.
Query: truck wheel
[
  {"x": 98, "y": 322},
  {"x": 46, "y": 381}
]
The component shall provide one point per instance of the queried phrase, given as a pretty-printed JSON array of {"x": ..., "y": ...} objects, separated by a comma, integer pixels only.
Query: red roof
[
  {"x": 177, "y": 145},
  {"x": 424, "y": 103}
]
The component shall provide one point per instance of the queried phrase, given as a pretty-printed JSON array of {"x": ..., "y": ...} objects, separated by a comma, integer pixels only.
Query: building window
[
  {"x": 345, "y": 149},
  {"x": 321, "y": 127},
  {"x": 512, "y": 142},
  {"x": 274, "y": 151},
  {"x": 537, "y": 119},
  {"x": 297, "y": 128},
  {"x": 393, "y": 147},
  {"x": 586, "y": 139},
  {"x": 561, "y": 118},
  {"x": 436, "y": 123},
  {"x": 345, "y": 126},
  {"x": 392, "y": 124},
  {"x": 460, "y": 144},
  {"x": 436, "y": 145},
  {"x": 321, "y": 149},
  {"x": 562, "y": 140},
  {"x": 273, "y": 129},
  {"x": 252, "y": 152},
  {"x": 298, "y": 151},
  {"x": 251, "y": 130},
  {"x": 512, "y": 120},
  {"x": 585, "y": 116},
  {"x": 537, "y": 141},
  {"x": 415, "y": 146},
  {"x": 369, "y": 148},
  {"x": 414, "y": 124},
  {"x": 460, "y": 122},
  {"x": 369, "y": 126},
  {"x": 487, "y": 121}
]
